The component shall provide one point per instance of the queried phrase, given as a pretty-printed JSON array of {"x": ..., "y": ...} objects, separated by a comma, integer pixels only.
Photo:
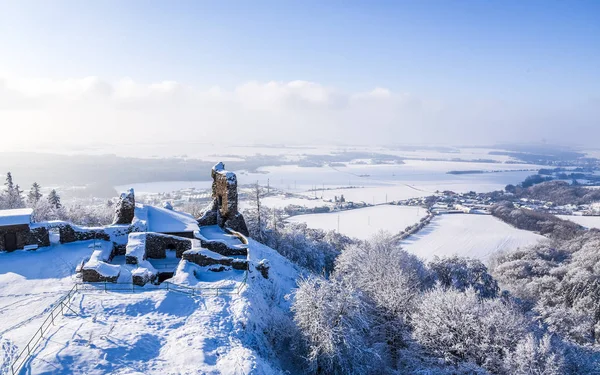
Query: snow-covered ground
[
  {"x": 281, "y": 201},
  {"x": 476, "y": 236},
  {"x": 147, "y": 332},
  {"x": 585, "y": 221},
  {"x": 414, "y": 178},
  {"x": 363, "y": 223}
]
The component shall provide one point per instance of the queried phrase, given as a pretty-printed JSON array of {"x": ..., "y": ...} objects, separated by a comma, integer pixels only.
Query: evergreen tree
[
  {"x": 9, "y": 182},
  {"x": 18, "y": 197},
  {"x": 54, "y": 199},
  {"x": 11, "y": 197},
  {"x": 34, "y": 195}
]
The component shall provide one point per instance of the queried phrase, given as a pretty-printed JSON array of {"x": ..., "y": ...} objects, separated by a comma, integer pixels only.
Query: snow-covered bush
[
  {"x": 334, "y": 320},
  {"x": 462, "y": 273},
  {"x": 462, "y": 327}
]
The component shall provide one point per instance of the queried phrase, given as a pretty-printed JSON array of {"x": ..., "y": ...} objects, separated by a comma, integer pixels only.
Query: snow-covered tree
[
  {"x": 463, "y": 327},
  {"x": 12, "y": 195},
  {"x": 391, "y": 278},
  {"x": 333, "y": 319},
  {"x": 54, "y": 199},
  {"x": 535, "y": 357},
  {"x": 35, "y": 194},
  {"x": 461, "y": 273}
]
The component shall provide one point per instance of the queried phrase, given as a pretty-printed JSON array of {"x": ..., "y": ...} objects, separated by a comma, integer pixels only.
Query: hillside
[{"x": 145, "y": 332}]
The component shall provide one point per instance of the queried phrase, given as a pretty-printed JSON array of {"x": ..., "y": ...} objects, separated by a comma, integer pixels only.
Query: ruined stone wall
[
  {"x": 69, "y": 234},
  {"x": 223, "y": 210},
  {"x": 21, "y": 233},
  {"x": 125, "y": 210},
  {"x": 224, "y": 191},
  {"x": 203, "y": 260},
  {"x": 39, "y": 236},
  {"x": 92, "y": 276},
  {"x": 156, "y": 245}
]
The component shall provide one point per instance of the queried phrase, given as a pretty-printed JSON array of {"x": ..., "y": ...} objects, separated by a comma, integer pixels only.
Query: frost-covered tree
[
  {"x": 54, "y": 199},
  {"x": 390, "y": 278},
  {"x": 462, "y": 273},
  {"x": 334, "y": 320},
  {"x": 462, "y": 327},
  {"x": 534, "y": 356},
  {"x": 256, "y": 216},
  {"x": 35, "y": 194},
  {"x": 12, "y": 195}
]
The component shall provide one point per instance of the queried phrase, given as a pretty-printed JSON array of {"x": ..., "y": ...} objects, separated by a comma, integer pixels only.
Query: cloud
[{"x": 90, "y": 109}]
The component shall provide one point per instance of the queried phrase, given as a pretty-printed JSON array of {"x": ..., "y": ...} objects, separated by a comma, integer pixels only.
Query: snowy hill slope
[{"x": 148, "y": 332}]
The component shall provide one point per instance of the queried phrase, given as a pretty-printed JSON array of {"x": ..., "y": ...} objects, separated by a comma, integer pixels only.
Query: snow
[
  {"x": 281, "y": 201},
  {"x": 18, "y": 216},
  {"x": 363, "y": 223},
  {"x": 136, "y": 245},
  {"x": 162, "y": 220},
  {"x": 216, "y": 234},
  {"x": 147, "y": 332},
  {"x": 98, "y": 259},
  {"x": 476, "y": 236},
  {"x": 584, "y": 221}
]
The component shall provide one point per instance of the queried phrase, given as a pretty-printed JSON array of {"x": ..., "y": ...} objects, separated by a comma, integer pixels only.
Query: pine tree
[
  {"x": 18, "y": 197},
  {"x": 12, "y": 195},
  {"x": 34, "y": 195},
  {"x": 9, "y": 183},
  {"x": 54, "y": 199}
]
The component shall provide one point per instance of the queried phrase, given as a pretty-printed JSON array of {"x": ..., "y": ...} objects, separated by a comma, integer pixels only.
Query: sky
[{"x": 74, "y": 73}]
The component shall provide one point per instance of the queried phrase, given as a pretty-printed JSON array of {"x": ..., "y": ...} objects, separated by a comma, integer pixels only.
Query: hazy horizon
[{"x": 75, "y": 76}]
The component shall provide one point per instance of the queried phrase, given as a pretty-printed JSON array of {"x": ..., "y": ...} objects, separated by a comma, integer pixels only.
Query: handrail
[
  {"x": 64, "y": 304},
  {"x": 169, "y": 286}
]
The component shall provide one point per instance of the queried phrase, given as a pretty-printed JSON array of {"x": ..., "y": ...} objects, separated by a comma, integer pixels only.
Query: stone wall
[
  {"x": 156, "y": 245},
  {"x": 203, "y": 260},
  {"x": 92, "y": 276},
  {"x": 69, "y": 234},
  {"x": 39, "y": 236},
  {"x": 125, "y": 210},
  {"x": 223, "y": 210},
  {"x": 21, "y": 233},
  {"x": 222, "y": 248}
]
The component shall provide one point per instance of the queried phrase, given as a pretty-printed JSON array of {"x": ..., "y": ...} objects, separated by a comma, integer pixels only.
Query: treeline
[
  {"x": 383, "y": 311},
  {"x": 557, "y": 192},
  {"x": 558, "y": 282},
  {"x": 536, "y": 221},
  {"x": 49, "y": 207}
]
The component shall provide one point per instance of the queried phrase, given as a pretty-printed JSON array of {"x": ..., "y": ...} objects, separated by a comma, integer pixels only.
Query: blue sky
[{"x": 534, "y": 55}]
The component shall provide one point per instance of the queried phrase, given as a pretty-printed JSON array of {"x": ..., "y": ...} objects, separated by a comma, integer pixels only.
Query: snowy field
[
  {"x": 363, "y": 223},
  {"x": 146, "y": 332},
  {"x": 477, "y": 236},
  {"x": 584, "y": 221},
  {"x": 373, "y": 183},
  {"x": 281, "y": 201}
]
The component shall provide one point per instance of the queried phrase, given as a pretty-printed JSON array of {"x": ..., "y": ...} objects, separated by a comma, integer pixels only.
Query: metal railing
[
  {"x": 63, "y": 304},
  {"x": 168, "y": 286},
  {"x": 59, "y": 308}
]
